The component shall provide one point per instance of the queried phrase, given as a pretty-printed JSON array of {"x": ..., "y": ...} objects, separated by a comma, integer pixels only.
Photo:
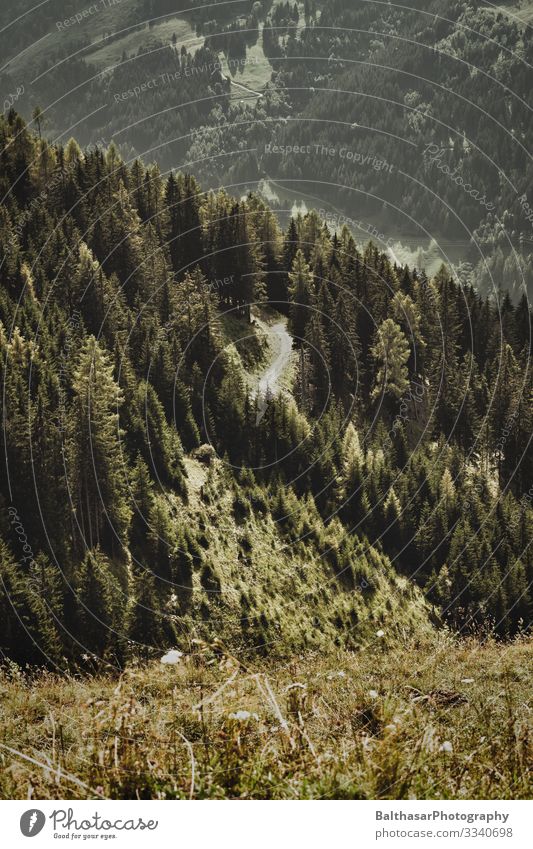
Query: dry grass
[{"x": 440, "y": 720}]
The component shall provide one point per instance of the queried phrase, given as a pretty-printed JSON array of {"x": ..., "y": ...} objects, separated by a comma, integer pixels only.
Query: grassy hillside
[
  {"x": 277, "y": 581},
  {"x": 422, "y": 719}
]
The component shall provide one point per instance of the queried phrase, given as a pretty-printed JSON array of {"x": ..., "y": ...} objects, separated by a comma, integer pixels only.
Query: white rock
[
  {"x": 243, "y": 715},
  {"x": 172, "y": 657}
]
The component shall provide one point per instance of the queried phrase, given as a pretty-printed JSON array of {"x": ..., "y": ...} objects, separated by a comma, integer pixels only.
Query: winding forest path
[{"x": 275, "y": 375}]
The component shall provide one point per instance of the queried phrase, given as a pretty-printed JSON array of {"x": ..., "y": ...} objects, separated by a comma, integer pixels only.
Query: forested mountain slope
[{"x": 152, "y": 497}]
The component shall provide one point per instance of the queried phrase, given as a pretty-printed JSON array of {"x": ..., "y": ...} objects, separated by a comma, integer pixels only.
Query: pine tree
[
  {"x": 391, "y": 352},
  {"x": 101, "y": 606},
  {"x": 300, "y": 287},
  {"x": 30, "y": 610},
  {"x": 97, "y": 480},
  {"x": 443, "y": 371},
  {"x": 267, "y": 232},
  {"x": 318, "y": 371}
]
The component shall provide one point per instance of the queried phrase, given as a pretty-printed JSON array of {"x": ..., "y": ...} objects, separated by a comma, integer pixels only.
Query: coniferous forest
[{"x": 241, "y": 441}]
